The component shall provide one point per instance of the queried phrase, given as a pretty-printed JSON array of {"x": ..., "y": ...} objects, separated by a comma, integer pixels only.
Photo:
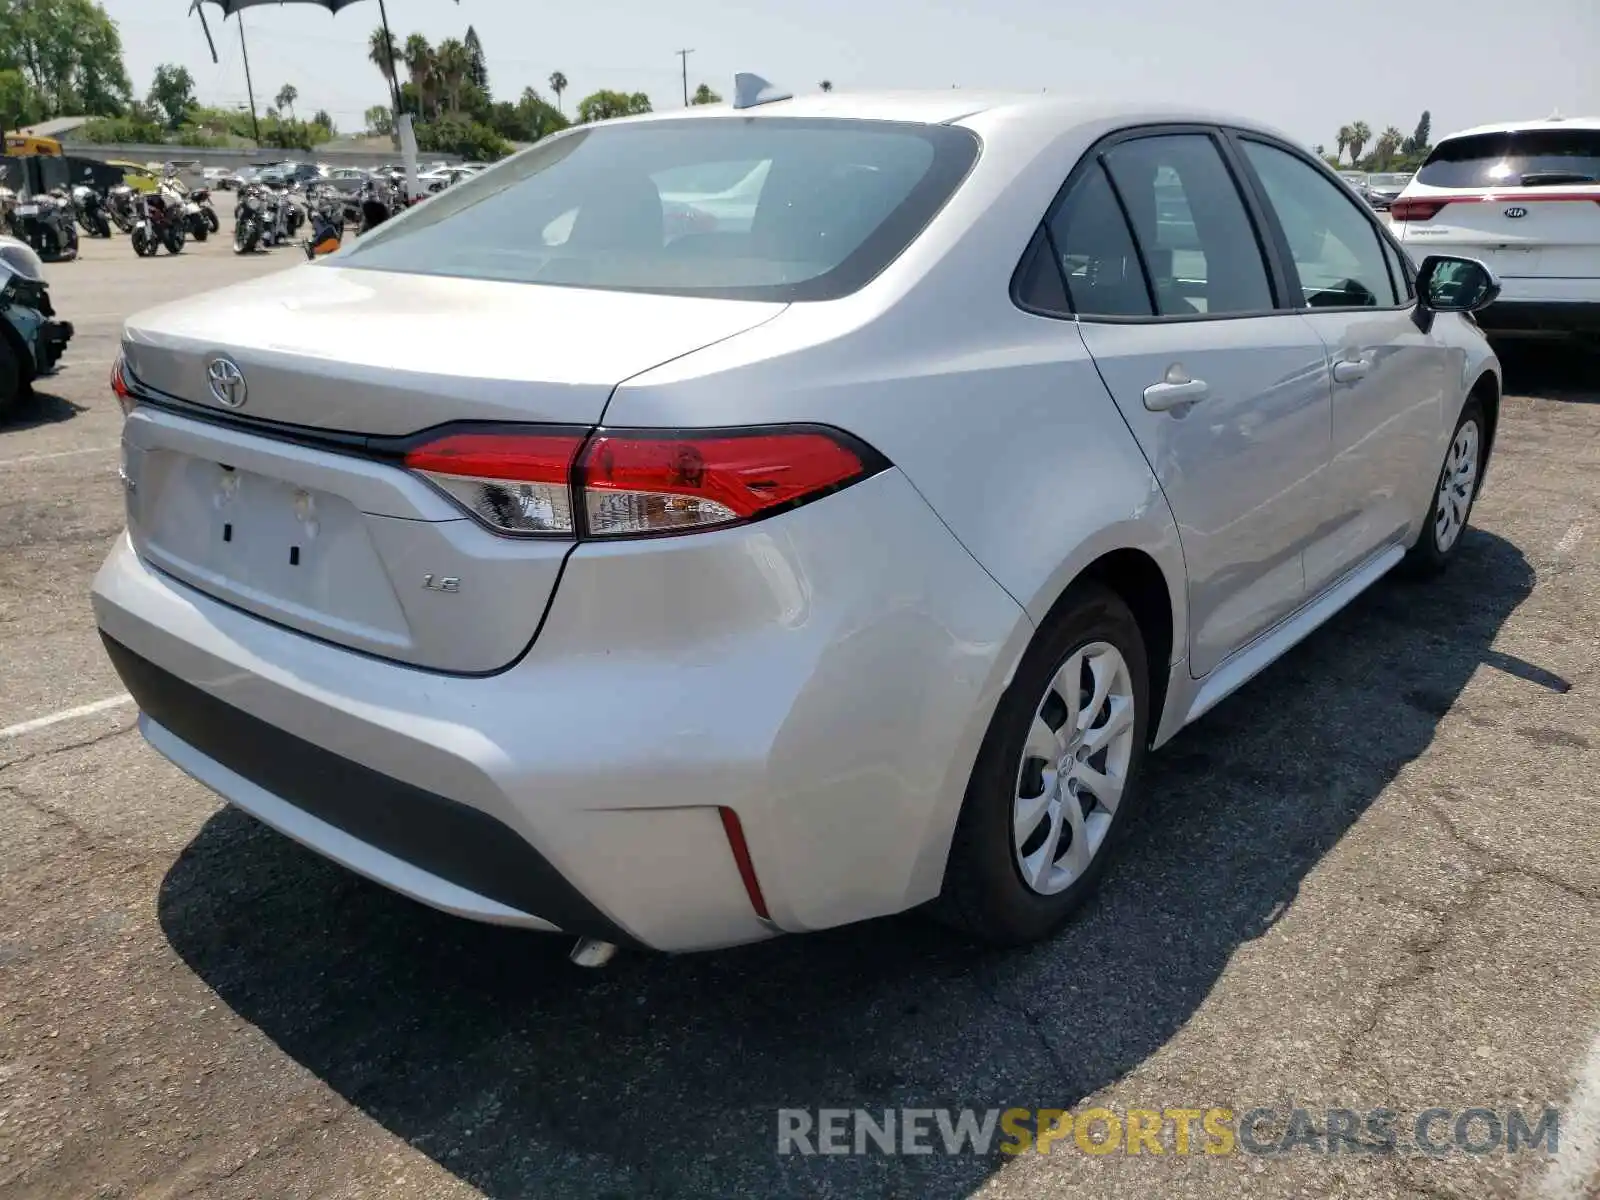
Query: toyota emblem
[
  {"x": 1516, "y": 211},
  {"x": 227, "y": 383}
]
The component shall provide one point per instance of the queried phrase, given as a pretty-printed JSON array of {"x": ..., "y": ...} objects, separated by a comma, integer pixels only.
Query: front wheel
[
  {"x": 13, "y": 382},
  {"x": 1454, "y": 493},
  {"x": 212, "y": 221},
  {"x": 1056, "y": 780},
  {"x": 201, "y": 231}
]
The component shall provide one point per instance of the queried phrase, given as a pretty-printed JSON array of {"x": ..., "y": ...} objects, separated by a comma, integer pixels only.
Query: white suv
[{"x": 1523, "y": 198}]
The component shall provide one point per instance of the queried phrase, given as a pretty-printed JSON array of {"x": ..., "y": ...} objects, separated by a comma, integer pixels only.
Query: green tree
[
  {"x": 420, "y": 65},
  {"x": 19, "y": 105},
  {"x": 604, "y": 105},
  {"x": 1360, "y": 135},
  {"x": 1346, "y": 132},
  {"x": 287, "y": 95},
  {"x": 380, "y": 120},
  {"x": 537, "y": 118},
  {"x": 1386, "y": 149},
  {"x": 478, "y": 72},
  {"x": 172, "y": 91},
  {"x": 453, "y": 63},
  {"x": 558, "y": 84},
  {"x": 1420, "y": 142},
  {"x": 385, "y": 53},
  {"x": 70, "y": 52},
  {"x": 704, "y": 95},
  {"x": 826, "y": 85},
  {"x": 324, "y": 118}
]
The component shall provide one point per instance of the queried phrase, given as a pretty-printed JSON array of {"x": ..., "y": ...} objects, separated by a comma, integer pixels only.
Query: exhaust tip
[{"x": 592, "y": 952}]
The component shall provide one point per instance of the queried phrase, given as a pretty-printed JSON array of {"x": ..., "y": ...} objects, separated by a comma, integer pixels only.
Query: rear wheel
[
  {"x": 201, "y": 231},
  {"x": 174, "y": 241},
  {"x": 213, "y": 223},
  {"x": 1454, "y": 492},
  {"x": 1057, "y": 778}
]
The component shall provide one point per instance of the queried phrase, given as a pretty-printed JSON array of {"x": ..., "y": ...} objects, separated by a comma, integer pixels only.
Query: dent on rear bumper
[{"x": 827, "y": 674}]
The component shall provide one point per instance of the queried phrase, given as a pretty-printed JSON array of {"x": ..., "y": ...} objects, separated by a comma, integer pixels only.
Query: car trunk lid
[{"x": 287, "y": 506}]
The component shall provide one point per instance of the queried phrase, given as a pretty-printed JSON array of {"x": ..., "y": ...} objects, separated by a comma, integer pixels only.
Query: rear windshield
[
  {"x": 1527, "y": 158},
  {"x": 765, "y": 208}
]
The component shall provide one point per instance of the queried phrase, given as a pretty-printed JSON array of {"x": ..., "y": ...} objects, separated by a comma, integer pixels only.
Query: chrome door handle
[
  {"x": 1349, "y": 370},
  {"x": 1171, "y": 394}
]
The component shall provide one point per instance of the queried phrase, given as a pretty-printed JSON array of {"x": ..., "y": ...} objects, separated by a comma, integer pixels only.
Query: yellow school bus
[{"x": 22, "y": 144}]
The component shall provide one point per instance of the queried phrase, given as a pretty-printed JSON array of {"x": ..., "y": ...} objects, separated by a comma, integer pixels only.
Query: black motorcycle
[
  {"x": 202, "y": 197},
  {"x": 377, "y": 205},
  {"x": 249, "y": 219},
  {"x": 47, "y": 224},
  {"x": 90, "y": 207},
  {"x": 160, "y": 223}
]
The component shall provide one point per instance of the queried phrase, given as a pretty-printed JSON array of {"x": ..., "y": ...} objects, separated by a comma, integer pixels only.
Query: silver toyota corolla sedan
[{"x": 679, "y": 575}]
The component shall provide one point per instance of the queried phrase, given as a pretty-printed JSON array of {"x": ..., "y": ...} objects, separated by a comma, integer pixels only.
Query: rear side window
[
  {"x": 1196, "y": 237},
  {"x": 1096, "y": 252},
  {"x": 759, "y": 209},
  {"x": 1525, "y": 158},
  {"x": 1336, "y": 249}
]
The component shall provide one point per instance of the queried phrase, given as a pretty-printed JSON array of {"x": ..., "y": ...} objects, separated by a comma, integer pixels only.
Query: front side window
[
  {"x": 1193, "y": 230},
  {"x": 768, "y": 208},
  {"x": 1336, "y": 249}
]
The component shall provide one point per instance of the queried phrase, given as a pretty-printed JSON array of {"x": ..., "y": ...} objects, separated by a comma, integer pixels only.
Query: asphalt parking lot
[{"x": 1371, "y": 880}]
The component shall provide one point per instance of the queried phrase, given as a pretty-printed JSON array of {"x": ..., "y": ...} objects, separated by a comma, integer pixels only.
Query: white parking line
[
  {"x": 33, "y": 458},
  {"x": 68, "y": 714},
  {"x": 1577, "y": 1160},
  {"x": 1570, "y": 539}
]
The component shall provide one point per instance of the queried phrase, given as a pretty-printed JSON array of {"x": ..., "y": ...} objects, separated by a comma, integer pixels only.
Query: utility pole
[
  {"x": 248, "y": 86},
  {"x": 684, "y": 54}
]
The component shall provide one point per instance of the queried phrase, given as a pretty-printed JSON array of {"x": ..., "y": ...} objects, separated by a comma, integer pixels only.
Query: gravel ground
[{"x": 1371, "y": 880}]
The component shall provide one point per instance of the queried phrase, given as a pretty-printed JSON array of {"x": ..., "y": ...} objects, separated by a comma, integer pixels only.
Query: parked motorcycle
[
  {"x": 326, "y": 209},
  {"x": 249, "y": 219},
  {"x": 202, "y": 213},
  {"x": 36, "y": 340},
  {"x": 90, "y": 208},
  {"x": 160, "y": 222},
  {"x": 8, "y": 212},
  {"x": 120, "y": 207},
  {"x": 378, "y": 203},
  {"x": 46, "y": 222}
]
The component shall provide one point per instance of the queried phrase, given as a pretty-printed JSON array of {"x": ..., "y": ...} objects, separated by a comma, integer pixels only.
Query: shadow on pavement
[
  {"x": 42, "y": 408},
  {"x": 661, "y": 1077},
  {"x": 1550, "y": 370}
]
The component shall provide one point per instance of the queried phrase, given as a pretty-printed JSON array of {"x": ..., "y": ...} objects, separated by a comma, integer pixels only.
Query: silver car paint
[{"x": 627, "y": 720}]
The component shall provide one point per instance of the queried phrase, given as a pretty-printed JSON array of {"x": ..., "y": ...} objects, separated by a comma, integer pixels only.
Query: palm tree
[
  {"x": 826, "y": 85},
  {"x": 454, "y": 63},
  {"x": 1345, "y": 134},
  {"x": 1389, "y": 143},
  {"x": 419, "y": 64},
  {"x": 558, "y": 84},
  {"x": 287, "y": 95},
  {"x": 1360, "y": 135},
  {"x": 383, "y": 52}
]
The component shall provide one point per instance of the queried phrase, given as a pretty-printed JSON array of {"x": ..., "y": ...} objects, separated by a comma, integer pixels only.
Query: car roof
[
  {"x": 959, "y": 105},
  {"x": 1585, "y": 123}
]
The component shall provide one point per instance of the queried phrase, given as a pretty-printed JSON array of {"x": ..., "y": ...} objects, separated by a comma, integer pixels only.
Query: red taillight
[
  {"x": 648, "y": 483},
  {"x": 636, "y": 482},
  {"x": 1416, "y": 210},
  {"x": 119, "y": 385},
  {"x": 512, "y": 482}
]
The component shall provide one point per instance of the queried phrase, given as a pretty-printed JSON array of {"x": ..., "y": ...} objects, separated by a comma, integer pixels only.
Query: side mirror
[{"x": 1446, "y": 283}]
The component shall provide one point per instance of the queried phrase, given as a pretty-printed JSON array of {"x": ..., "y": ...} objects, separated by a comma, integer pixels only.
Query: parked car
[
  {"x": 32, "y": 340},
  {"x": 1524, "y": 197},
  {"x": 681, "y": 593},
  {"x": 1384, "y": 188}
]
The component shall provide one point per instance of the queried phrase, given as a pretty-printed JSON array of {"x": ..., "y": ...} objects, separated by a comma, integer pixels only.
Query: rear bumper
[
  {"x": 1535, "y": 318},
  {"x": 827, "y": 675}
]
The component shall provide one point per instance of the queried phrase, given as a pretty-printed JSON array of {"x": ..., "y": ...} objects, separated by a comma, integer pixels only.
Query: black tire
[
  {"x": 200, "y": 232},
  {"x": 13, "y": 381},
  {"x": 141, "y": 242},
  {"x": 174, "y": 241},
  {"x": 1428, "y": 557},
  {"x": 984, "y": 893},
  {"x": 212, "y": 221}
]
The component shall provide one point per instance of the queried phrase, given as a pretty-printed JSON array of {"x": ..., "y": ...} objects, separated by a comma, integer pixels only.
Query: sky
[{"x": 1306, "y": 67}]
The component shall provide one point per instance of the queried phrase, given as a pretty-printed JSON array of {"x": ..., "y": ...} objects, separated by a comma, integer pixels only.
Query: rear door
[
  {"x": 1389, "y": 377},
  {"x": 1227, "y": 396},
  {"x": 1526, "y": 202}
]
